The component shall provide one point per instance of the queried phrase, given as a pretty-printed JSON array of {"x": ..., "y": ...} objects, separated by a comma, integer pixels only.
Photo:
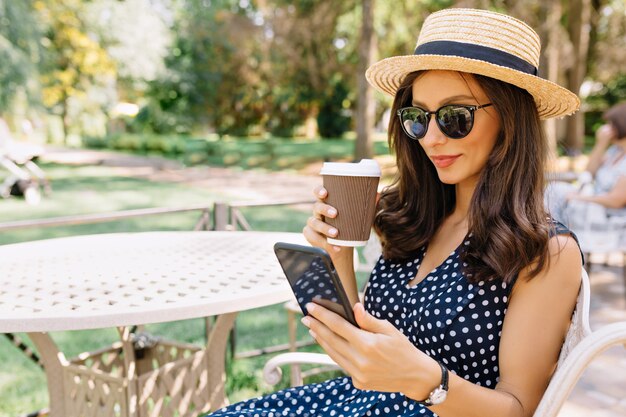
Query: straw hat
[{"x": 478, "y": 42}]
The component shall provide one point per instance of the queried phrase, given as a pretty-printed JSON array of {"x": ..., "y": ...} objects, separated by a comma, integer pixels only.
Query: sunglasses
[{"x": 454, "y": 120}]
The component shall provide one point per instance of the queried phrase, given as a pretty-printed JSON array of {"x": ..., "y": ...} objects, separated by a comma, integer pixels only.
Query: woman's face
[{"x": 457, "y": 160}]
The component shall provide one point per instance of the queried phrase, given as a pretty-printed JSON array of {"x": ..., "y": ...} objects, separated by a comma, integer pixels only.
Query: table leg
[
  {"x": 216, "y": 353},
  {"x": 53, "y": 362},
  {"x": 130, "y": 367}
]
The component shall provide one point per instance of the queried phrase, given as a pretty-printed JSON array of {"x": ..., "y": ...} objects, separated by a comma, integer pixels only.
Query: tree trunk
[
  {"x": 65, "y": 120},
  {"x": 364, "y": 121},
  {"x": 550, "y": 62},
  {"x": 579, "y": 29}
]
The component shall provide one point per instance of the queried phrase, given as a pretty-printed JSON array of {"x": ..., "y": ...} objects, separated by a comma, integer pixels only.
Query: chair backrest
[{"x": 579, "y": 328}]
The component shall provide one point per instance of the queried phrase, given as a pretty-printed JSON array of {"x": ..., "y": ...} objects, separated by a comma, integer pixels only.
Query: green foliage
[
  {"x": 237, "y": 68},
  {"x": 273, "y": 153},
  {"x": 243, "y": 68},
  {"x": 166, "y": 114},
  {"x": 611, "y": 93},
  {"x": 202, "y": 84},
  {"x": 333, "y": 119},
  {"x": 167, "y": 145},
  {"x": 19, "y": 51},
  {"x": 288, "y": 110},
  {"x": 75, "y": 65}
]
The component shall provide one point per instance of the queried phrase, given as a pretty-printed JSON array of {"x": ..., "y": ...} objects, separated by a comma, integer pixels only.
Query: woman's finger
[
  {"x": 335, "y": 346},
  {"x": 313, "y": 237},
  {"x": 321, "y": 209},
  {"x": 346, "y": 364},
  {"x": 333, "y": 321},
  {"x": 321, "y": 227},
  {"x": 320, "y": 192}
]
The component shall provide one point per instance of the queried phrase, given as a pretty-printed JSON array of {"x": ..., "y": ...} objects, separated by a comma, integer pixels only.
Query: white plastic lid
[{"x": 364, "y": 168}]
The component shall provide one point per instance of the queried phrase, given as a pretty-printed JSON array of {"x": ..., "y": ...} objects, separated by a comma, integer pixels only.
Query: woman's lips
[{"x": 444, "y": 161}]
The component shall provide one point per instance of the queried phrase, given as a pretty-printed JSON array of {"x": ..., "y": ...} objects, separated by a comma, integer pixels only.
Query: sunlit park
[{"x": 216, "y": 116}]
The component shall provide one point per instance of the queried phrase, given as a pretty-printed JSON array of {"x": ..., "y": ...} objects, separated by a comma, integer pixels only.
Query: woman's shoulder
[
  {"x": 562, "y": 238},
  {"x": 565, "y": 258},
  {"x": 612, "y": 157},
  {"x": 561, "y": 273}
]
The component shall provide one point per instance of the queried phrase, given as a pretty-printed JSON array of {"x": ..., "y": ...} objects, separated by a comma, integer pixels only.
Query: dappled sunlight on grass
[{"x": 88, "y": 189}]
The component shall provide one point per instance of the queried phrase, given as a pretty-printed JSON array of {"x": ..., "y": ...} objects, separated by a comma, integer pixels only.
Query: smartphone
[{"x": 313, "y": 278}]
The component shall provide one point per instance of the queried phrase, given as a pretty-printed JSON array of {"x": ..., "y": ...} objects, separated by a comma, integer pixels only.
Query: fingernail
[
  {"x": 321, "y": 193},
  {"x": 310, "y": 307},
  {"x": 312, "y": 333},
  {"x": 332, "y": 212},
  {"x": 306, "y": 321},
  {"x": 332, "y": 231}
]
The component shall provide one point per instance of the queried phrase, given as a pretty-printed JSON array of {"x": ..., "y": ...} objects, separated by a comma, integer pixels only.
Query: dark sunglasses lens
[
  {"x": 455, "y": 122},
  {"x": 414, "y": 123}
]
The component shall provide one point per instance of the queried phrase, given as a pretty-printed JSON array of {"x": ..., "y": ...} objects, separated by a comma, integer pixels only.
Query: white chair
[
  {"x": 597, "y": 231},
  {"x": 581, "y": 346}
]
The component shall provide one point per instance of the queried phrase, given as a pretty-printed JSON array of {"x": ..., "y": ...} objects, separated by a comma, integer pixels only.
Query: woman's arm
[
  {"x": 604, "y": 134},
  {"x": 534, "y": 328},
  {"x": 616, "y": 198}
]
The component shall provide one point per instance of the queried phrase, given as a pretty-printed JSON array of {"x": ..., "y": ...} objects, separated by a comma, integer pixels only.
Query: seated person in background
[{"x": 607, "y": 165}]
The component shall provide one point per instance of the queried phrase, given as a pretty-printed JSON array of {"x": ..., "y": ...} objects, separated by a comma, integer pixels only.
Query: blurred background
[
  {"x": 209, "y": 99},
  {"x": 160, "y": 75}
]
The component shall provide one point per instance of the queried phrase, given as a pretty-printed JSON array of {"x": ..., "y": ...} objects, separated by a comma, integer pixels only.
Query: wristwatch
[{"x": 439, "y": 394}]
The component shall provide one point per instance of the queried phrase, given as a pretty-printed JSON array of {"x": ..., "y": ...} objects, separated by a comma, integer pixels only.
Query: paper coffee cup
[{"x": 352, "y": 189}]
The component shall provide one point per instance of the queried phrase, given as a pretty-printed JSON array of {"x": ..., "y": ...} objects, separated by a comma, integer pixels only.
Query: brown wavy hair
[{"x": 507, "y": 220}]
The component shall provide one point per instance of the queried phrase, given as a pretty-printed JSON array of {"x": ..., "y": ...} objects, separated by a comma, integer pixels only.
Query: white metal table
[{"x": 124, "y": 279}]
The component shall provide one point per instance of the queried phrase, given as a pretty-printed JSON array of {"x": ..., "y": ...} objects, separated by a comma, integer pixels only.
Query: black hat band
[{"x": 479, "y": 52}]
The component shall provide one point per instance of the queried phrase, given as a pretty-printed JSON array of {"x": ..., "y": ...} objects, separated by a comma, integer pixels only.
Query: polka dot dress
[{"x": 445, "y": 316}]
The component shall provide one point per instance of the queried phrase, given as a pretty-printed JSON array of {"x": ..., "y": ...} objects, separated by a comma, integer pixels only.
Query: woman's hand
[
  {"x": 604, "y": 135},
  {"x": 377, "y": 356},
  {"x": 317, "y": 231}
]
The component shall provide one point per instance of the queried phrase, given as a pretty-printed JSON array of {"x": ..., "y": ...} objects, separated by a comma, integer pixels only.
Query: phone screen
[{"x": 313, "y": 279}]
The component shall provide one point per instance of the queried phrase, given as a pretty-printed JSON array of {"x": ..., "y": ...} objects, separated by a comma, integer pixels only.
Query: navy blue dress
[{"x": 444, "y": 315}]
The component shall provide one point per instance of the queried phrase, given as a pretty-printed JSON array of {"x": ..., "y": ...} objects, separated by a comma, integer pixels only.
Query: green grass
[{"x": 84, "y": 189}]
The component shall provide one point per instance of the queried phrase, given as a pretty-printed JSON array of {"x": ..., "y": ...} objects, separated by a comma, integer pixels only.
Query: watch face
[{"x": 438, "y": 396}]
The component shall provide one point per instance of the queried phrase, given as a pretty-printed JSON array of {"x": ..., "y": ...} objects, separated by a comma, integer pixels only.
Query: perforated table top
[{"x": 107, "y": 280}]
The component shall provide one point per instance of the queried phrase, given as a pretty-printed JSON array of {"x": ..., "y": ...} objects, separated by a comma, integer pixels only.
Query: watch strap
[
  {"x": 443, "y": 385},
  {"x": 444, "y": 376}
]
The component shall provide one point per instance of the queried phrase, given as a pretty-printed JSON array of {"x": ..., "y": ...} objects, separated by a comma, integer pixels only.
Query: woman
[
  {"x": 607, "y": 165},
  {"x": 467, "y": 308}
]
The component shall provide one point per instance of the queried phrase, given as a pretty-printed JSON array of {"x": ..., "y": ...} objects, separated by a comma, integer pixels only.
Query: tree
[
  {"x": 74, "y": 62},
  {"x": 212, "y": 73},
  {"x": 136, "y": 36},
  {"x": 312, "y": 57},
  {"x": 364, "y": 120},
  {"x": 19, "y": 51},
  {"x": 609, "y": 49},
  {"x": 579, "y": 31}
]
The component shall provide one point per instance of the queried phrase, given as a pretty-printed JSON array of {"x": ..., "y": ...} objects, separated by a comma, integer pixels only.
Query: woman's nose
[{"x": 433, "y": 136}]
